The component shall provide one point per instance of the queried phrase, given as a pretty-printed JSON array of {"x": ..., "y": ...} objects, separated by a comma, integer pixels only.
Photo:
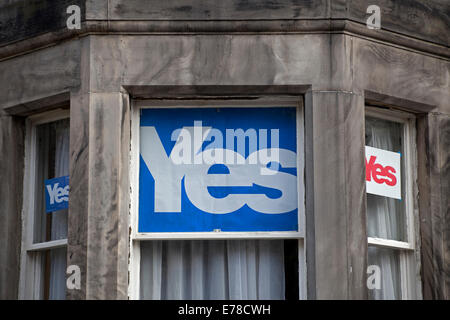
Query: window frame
[
  {"x": 31, "y": 253},
  {"x": 410, "y": 283},
  {"x": 136, "y": 237}
]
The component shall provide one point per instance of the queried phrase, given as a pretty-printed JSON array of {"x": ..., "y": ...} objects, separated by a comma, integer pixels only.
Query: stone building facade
[{"x": 318, "y": 53}]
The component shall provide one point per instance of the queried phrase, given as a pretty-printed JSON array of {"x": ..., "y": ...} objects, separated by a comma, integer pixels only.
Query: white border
[
  {"x": 215, "y": 235},
  {"x": 392, "y": 244}
]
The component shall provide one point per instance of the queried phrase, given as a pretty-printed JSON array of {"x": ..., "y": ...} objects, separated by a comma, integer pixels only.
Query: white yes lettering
[{"x": 169, "y": 171}]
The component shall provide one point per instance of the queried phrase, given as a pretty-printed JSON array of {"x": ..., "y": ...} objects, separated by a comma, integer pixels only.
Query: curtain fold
[{"x": 215, "y": 269}]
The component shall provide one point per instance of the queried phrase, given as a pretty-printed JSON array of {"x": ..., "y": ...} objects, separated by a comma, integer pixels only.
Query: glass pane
[
  {"x": 53, "y": 273},
  {"x": 386, "y": 217},
  {"x": 218, "y": 269},
  {"x": 52, "y": 160},
  {"x": 384, "y": 134},
  {"x": 387, "y": 285}
]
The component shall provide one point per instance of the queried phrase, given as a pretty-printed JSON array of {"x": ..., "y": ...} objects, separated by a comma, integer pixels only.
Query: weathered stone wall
[
  {"x": 333, "y": 64},
  {"x": 11, "y": 173},
  {"x": 20, "y": 20},
  {"x": 427, "y": 20}
]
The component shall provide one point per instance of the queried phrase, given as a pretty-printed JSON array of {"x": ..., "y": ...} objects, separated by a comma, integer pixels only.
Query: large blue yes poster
[{"x": 211, "y": 169}]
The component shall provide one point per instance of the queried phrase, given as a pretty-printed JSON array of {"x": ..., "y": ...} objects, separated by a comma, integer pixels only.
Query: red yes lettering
[
  {"x": 379, "y": 173},
  {"x": 389, "y": 170}
]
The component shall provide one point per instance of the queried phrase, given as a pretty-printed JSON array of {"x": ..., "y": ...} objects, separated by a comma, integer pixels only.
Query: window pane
[
  {"x": 217, "y": 269},
  {"x": 52, "y": 273},
  {"x": 386, "y": 217},
  {"x": 52, "y": 160},
  {"x": 388, "y": 262},
  {"x": 384, "y": 134}
]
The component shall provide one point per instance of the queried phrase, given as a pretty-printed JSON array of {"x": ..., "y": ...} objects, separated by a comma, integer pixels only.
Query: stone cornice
[{"x": 191, "y": 27}]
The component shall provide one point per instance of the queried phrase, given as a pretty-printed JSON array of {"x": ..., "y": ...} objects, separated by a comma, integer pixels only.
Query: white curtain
[
  {"x": 389, "y": 264},
  {"x": 385, "y": 218},
  {"x": 215, "y": 269},
  {"x": 59, "y": 218}
]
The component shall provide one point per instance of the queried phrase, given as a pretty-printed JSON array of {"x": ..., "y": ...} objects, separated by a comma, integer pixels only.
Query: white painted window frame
[
  {"x": 30, "y": 266},
  {"x": 136, "y": 237},
  {"x": 409, "y": 250}
]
